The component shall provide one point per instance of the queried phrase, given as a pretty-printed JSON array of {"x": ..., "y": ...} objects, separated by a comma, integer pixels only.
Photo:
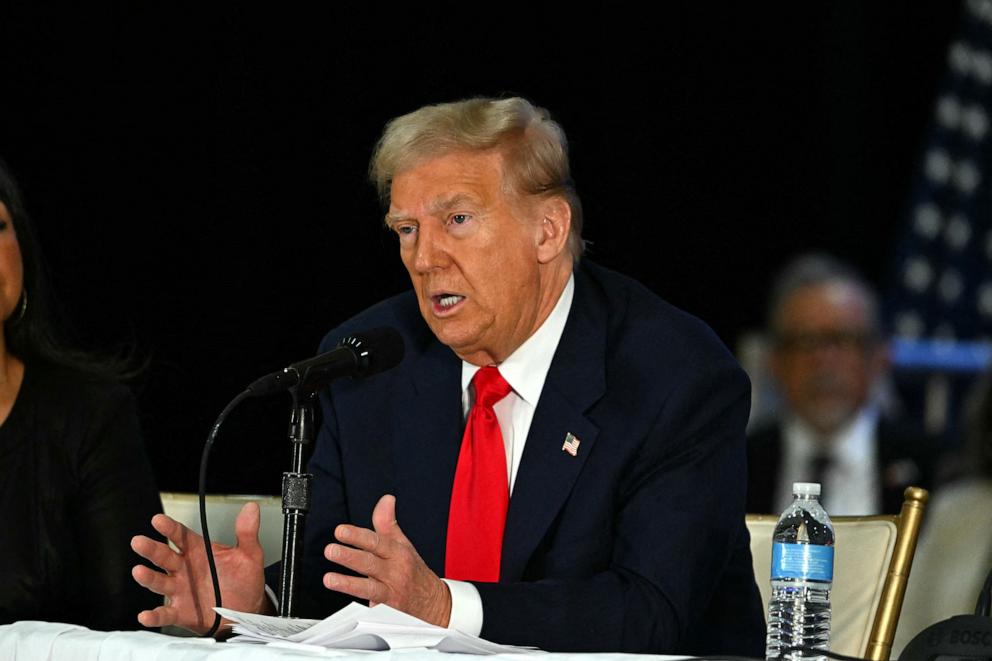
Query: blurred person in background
[
  {"x": 74, "y": 478},
  {"x": 828, "y": 358},
  {"x": 955, "y": 549}
]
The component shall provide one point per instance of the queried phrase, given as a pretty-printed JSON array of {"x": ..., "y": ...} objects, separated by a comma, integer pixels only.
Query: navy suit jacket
[{"x": 636, "y": 544}]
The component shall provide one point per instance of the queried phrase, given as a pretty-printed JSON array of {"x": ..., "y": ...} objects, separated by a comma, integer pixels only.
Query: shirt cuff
[
  {"x": 466, "y": 607},
  {"x": 271, "y": 594}
]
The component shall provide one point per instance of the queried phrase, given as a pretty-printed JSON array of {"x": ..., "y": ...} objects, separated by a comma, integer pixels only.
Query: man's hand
[
  {"x": 397, "y": 576},
  {"x": 186, "y": 583}
]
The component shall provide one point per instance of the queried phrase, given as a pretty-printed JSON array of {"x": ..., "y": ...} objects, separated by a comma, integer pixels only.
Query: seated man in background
[
  {"x": 560, "y": 445},
  {"x": 829, "y": 356}
]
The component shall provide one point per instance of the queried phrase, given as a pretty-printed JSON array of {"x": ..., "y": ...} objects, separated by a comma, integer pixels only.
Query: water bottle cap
[{"x": 805, "y": 488}]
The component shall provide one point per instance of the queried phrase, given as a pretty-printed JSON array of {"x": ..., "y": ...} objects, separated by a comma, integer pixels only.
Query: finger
[
  {"x": 247, "y": 524},
  {"x": 152, "y": 580},
  {"x": 162, "y": 616},
  {"x": 174, "y": 531},
  {"x": 384, "y": 517},
  {"x": 356, "y": 586},
  {"x": 156, "y": 552},
  {"x": 363, "y": 562},
  {"x": 362, "y": 538}
]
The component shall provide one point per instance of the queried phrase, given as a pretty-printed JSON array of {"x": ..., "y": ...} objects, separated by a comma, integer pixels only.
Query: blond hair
[{"x": 534, "y": 147}]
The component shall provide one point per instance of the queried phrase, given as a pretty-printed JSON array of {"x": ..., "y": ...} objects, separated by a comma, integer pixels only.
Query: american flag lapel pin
[{"x": 571, "y": 444}]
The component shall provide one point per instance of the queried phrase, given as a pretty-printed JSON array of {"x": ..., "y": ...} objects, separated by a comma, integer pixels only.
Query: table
[{"x": 44, "y": 641}]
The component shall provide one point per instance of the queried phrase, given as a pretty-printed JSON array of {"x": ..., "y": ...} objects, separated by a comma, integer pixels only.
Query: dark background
[{"x": 198, "y": 175}]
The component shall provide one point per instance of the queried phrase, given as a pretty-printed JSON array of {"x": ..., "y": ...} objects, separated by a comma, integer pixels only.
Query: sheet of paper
[
  {"x": 280, "y": 627},
  {"x": 332, "y": 627},
  {"x": 458, "y": 642}
]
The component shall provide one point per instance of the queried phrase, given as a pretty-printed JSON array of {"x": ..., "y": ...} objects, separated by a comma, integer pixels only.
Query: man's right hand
[{"x": 186, "y": 584}]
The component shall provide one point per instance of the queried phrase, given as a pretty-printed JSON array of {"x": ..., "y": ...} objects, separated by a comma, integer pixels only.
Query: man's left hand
[{"x": 395, "y": 573}]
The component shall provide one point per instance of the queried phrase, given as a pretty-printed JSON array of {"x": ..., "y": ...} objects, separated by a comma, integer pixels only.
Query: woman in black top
[{"x": 75, "y": 483}]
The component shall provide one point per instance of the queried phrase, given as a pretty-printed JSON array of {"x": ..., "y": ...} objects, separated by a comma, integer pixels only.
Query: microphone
[{"x": 361, "y": 354}]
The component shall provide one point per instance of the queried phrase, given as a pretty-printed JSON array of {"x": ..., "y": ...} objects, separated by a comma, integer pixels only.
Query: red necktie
[{"x": 481, "y": 493}]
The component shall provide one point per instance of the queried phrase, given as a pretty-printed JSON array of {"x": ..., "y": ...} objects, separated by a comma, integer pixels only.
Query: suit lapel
[
  {"x": 427, "y": 433},
  {"x": 574, "y": 383}
]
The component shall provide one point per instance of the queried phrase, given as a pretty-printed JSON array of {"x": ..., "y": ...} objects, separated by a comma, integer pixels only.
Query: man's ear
[{"x": 555, "y": 228}]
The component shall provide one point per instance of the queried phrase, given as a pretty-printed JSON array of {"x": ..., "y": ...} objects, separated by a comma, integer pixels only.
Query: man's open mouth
[{"x": 445, "y": 302}]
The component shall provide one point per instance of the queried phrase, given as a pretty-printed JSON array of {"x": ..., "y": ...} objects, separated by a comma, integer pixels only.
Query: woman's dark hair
[{"x": 34, "y": 329}]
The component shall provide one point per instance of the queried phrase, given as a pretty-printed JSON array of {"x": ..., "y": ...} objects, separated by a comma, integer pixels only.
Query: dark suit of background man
[
  {"x": 630, "y": 537},
  {"x": 829, "y": 358}
]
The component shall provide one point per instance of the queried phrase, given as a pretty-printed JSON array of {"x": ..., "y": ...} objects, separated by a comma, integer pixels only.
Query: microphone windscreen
[{"x": 380, "y": 348}]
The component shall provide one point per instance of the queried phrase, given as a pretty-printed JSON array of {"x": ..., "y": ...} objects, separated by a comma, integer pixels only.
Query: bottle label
[{"x": 810, "y": 562}]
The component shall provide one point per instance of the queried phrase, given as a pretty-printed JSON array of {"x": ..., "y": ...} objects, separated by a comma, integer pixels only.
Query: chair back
[
  {"x": 872, "y": 559},
  {"x": 222, "y": 510}
]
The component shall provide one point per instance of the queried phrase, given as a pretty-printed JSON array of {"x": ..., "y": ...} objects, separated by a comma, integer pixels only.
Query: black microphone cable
[{"x": 203, "y": 504}]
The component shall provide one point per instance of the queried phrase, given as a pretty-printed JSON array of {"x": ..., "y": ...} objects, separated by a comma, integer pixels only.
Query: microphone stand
[{"x": 296, "y": 497}]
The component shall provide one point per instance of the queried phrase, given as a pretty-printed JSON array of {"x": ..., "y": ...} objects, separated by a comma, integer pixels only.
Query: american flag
[
  {"x": 942, "y": 285},
  {"x": 571, "y": 444}
]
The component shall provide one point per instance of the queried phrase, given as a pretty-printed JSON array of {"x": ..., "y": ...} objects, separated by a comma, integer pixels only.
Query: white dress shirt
[
  {"x": 525, "y": 370},
  {"x": 850, "y": 483}
]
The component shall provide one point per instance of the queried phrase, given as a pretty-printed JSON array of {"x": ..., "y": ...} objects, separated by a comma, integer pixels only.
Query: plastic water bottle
[{"x": 802, "y": 573}]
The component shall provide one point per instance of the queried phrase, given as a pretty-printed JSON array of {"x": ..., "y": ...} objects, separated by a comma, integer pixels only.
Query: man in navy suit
[{"x": 622, "y": 425}]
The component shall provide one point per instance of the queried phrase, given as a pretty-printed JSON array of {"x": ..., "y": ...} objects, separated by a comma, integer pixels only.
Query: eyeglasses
[{"x": 839, "y": 339}]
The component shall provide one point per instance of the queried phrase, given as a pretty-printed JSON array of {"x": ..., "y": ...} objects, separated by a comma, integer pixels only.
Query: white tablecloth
[{"x": 49, "y": 641}]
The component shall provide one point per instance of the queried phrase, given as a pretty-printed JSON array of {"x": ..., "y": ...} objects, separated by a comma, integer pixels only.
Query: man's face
[
  {"x": 475, "y": 251},
  {"x": 828, "y": 357}
]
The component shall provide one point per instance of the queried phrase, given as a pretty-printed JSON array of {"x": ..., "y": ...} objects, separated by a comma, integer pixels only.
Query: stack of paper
[{"x": 359, "y": 627}]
